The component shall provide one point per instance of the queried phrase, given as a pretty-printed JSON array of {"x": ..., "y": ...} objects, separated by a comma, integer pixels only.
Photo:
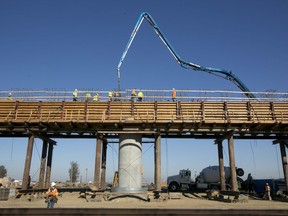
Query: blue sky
[{"x": 67, "y": 44}]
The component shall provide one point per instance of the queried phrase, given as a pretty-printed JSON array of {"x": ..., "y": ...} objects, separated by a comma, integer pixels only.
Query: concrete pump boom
[{"x": 188, "y": 65}]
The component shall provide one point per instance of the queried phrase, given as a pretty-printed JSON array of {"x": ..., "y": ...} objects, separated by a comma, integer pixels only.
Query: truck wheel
[
  {"x": 240, "y": 172},
  {"x": 173, "y": 187}
]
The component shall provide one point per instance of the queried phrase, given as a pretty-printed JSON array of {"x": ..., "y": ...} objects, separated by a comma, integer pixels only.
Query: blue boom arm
[{"x": 188, "y": 65}]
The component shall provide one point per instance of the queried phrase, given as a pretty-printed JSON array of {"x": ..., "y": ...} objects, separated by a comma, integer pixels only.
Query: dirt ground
[{"x": 74, "y": 200}]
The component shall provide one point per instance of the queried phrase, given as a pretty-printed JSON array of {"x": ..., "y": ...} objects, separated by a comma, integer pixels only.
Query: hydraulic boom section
[{"x": 188, "y": 65}]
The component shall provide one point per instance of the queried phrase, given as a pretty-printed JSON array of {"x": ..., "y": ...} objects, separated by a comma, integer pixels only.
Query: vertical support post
[
  {"x": 157, "y": 157},
  {"x": 42, "y": 165},
  {"x": 97, "y": 160},
  {"x": 221, "y": 165},
  {"x": 284, "y": 163},
  {"x": 25, "y": 180},
  {"x": 103, "y": 166},
  {"x": 232, "y": 163},
  {"x": 49, "y": 165}
]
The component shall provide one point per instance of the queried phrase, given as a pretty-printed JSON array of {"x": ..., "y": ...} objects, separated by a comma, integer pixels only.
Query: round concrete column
[{"x": 130, "y": 163}]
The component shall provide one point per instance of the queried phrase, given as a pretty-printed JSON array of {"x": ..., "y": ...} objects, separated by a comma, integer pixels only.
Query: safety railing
[{"x": 149, "y": 95}]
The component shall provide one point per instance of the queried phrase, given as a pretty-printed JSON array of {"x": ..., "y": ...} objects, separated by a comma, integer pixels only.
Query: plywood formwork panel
[
  {"x": 119, "y": 111},
  {"x": 191, "y": 111},
  {"x": 144, "y": 111},
  {"x": 167, "y": 111},
  {"x": 237, "y": 111},
  {"x": 7, "y": 110},
  {"x": 281, "y": 111},
  {"x": 96, "y": 110},
  {"x": 261, "y": 111}
]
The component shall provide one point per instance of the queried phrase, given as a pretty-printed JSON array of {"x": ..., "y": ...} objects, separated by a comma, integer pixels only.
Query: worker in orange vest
[
  {"x": 52, "y": 195},
  {"x": 173, "y": 94},
  {"x": 133, "y": 95}
]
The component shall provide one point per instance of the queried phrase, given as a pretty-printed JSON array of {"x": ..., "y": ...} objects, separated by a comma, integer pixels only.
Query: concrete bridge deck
[{"x": 175, "y": 119}]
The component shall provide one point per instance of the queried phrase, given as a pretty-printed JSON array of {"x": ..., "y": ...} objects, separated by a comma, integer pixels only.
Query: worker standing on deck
[
  {"x": 140, "y": 96},
  {"x": 9, "y": 97},
  {"x": 173, "y": 94},
  {"x": 96, "y": 97},
  {"x": 88, "y": 96},
  {"x": 52, "y": 195},
  {"x": 267, "y": 194},
  {"x": 75, "y": 95},
  {"x": 133, "y": 95},
  {"x": 110, "y": 95}
]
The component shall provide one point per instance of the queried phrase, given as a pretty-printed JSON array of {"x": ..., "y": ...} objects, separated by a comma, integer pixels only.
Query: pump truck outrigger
[{"x": 228, "y": 75}]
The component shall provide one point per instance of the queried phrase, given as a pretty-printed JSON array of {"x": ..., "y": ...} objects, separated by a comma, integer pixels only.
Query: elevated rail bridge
[{"x": 217, "y": 119}]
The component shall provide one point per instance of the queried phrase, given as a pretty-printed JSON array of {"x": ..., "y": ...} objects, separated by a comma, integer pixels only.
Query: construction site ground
[{"x": 177, "y": 201}]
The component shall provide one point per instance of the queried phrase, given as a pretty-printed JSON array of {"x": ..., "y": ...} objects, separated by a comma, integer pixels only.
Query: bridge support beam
[
  {"x": 42, "y": 165},
  {"x": 221, "y": 165},
  {"x": 99, "y": 144},
  {"x": 130, "y": 163},
  {"x": 232, "y": 163},
  {"x": 157, "y": 163},
  {"x": 103, "y": 164},
  {"x": 49, "y": 165},
  {"x": 26, "y": 177},
  {"x": 284, "y": 162}
]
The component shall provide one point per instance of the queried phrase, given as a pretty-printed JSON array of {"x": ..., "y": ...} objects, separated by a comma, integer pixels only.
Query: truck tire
[
  {"x": 240, "y": 171},
  {"x": 173, "y": 187}
]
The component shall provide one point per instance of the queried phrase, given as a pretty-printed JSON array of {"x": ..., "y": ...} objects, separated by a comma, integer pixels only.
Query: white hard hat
[{"x": 53, "y": 184}]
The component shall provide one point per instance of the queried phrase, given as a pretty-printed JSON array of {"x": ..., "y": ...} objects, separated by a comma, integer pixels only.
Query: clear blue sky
[{"x": 67, "y": 44}]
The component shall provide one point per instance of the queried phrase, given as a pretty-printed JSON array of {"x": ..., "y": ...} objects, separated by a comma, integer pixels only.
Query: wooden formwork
[{"x": 215, "y": 112}]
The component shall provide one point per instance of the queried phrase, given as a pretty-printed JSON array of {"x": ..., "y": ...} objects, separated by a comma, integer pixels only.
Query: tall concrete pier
[{"x": 130, "y": 163}]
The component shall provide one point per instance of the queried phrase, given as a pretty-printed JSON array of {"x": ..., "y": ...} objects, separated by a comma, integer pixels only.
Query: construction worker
[
  {"x": 75, "y": 95},
  {"x": 110, "y": 95},
  {"x": 9, "y": 97},
  {"x": 88, "y": 96},
  {"x": 133, "y": 95},
  {"x": 140, "y": 96},
  {"x": 52, "y": 195},
  {"x": 173, "y": 94},
  {"x": 267, "y": 194},
  {"x": 96, "y": 97}
]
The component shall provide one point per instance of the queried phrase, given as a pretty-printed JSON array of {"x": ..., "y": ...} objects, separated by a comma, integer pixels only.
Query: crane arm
[{"x": 228, "y": 75}]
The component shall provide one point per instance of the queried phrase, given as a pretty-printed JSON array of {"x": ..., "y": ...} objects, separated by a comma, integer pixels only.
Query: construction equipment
[
  {"x": 208, "y": 178},
  {"x": 188, "y": 65}
]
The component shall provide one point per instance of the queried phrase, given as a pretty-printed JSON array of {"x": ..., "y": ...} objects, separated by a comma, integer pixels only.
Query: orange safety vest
[
  {"x": 52, "y": 192},
  {"x": 133, "y": 92},
  {"x": 173, "y": 94}
]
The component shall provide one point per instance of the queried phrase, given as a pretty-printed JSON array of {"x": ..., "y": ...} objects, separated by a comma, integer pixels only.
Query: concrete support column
[
  {"x": 103, "y": 164},
  {"x": 157, "y": 163},
  {"x": 221, "y": 166},
  {"x": 26, "y": 178},
  {"x": 284, "y": 163},
  {"x": 49, "y": 165},
  {"x": 130, "y": 163},
  {"x": 232, "y": 164},
  {"x": 42, "y": 165},
  {"x": 99, "y": 143}
]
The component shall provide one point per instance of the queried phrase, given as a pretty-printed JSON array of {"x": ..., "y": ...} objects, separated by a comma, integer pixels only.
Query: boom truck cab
[{"x": 208, "y": 178}]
